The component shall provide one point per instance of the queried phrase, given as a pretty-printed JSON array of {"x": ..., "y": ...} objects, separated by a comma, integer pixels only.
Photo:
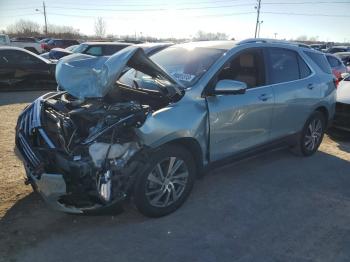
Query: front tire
[
  {"x": 166, "y": 183},
  {"x": 311, "y": 135}
]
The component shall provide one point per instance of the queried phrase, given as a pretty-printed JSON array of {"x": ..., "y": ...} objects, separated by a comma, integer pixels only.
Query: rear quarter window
[{"x": 320, "y": 60}]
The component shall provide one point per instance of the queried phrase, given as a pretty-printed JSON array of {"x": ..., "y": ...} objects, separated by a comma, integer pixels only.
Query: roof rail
[{"x": 271, "y": 41}]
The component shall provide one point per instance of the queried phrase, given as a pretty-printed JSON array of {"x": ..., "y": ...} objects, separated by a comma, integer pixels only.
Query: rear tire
[
  {"x": 311, "y": 136},
  {"x": 166, "y": 183}
]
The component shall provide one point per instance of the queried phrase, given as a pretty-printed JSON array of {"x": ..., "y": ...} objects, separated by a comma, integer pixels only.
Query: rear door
[{"x": 295, "y": 89}]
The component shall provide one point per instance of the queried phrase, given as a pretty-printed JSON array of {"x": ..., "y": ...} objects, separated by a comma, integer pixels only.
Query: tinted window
[
  {"x": 333, "y": 61},
  {"x": 13, "y": 57},
  {"x": 111, "y": 49},
  {"x": 304, "y": 69},
  {"x": 320, "y": 60},
  {"x": 283, "y": 65}
]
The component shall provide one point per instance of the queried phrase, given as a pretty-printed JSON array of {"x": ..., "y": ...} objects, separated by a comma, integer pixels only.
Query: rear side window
[
  {"x": 333, "y": 61},
  {"x": 283, "y": 65},
  {"x": 320, "y": 60},
  {"x": 304, "y": 69}
]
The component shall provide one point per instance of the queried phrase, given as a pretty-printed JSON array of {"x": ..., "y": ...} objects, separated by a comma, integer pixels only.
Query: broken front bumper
[{"x": 51, "y": 185}]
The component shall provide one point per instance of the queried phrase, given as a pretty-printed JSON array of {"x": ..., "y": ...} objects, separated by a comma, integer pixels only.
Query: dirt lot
[{"x": 275, "y": 207}]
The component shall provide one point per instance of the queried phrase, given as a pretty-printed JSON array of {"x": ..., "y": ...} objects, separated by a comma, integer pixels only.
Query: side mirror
[{"x": 230, "y": 87}]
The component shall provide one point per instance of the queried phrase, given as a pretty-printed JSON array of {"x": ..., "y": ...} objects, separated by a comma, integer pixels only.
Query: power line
[
  {"x": 148, "y": 10},
  {"x": 305, "y": 14}
]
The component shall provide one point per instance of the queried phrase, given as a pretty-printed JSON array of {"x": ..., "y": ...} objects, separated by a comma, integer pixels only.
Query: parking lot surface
[{"x": 274, "y": 207}]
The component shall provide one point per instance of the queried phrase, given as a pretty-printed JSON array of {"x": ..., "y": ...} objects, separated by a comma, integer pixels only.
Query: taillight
[{"x": 336, "y": 82}]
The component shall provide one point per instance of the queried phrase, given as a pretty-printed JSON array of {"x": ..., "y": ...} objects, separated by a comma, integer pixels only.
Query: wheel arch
[
  {"x": 324, "y": 111},
  {"x": 193, "y": 146}
]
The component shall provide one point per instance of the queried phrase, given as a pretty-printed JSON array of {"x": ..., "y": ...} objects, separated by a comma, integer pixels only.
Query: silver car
[{"x": 146, "y": 133}]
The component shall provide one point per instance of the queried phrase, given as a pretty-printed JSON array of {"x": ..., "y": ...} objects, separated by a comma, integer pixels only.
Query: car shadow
[
  {"x": 275, "y": 206},
  {"x": 341, "y": 137}
]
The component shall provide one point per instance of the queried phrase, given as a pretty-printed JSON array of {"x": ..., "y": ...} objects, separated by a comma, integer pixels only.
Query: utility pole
[
  {"x": 44, "y": 7},
  {"x": 257, "y": 17},
  {"x": 259, "y": 27}
]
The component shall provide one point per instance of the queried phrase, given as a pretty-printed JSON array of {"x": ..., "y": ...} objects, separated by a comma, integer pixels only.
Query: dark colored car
[
  {"x": 22, "y": 69},
  {"x": 337, "y": 66},
  {"x": 58, "y": 43},
  {"x": 337, "y": 49}
]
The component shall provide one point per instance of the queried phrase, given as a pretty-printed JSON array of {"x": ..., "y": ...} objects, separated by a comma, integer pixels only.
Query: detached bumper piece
[{"x": 342, "y": 116}]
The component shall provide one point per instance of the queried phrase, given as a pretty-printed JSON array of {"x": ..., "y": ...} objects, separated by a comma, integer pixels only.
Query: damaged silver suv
[{"x": 129, "y": 126}]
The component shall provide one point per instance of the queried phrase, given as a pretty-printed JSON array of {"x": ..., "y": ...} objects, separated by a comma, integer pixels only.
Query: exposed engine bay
[{"x": 91, "y": 141}]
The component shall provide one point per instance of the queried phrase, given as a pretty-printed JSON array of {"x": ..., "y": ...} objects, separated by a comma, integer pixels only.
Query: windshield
[
  {"x": 80, "y": 48},
  {"x": 186, "y": 65}
]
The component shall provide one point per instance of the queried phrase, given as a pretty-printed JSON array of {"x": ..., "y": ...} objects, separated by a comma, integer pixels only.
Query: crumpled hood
[{"x": 85, "y": 76}]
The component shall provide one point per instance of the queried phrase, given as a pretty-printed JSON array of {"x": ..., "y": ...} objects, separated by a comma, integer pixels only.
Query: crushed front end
[{"x": 77, "y": 154}]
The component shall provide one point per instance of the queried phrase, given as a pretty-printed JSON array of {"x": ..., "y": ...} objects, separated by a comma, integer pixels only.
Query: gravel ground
[{"x": 274, "y": 207}]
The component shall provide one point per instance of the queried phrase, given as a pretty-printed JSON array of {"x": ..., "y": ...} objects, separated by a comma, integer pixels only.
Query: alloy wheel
[
  {"x": 313, "y": 134},
  {"x": 166, "y": 182}
]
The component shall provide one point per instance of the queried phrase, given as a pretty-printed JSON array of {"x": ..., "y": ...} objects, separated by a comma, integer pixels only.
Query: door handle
[
  {"x": 310, "y": 86},
  {"x": 265, "y": 97}
]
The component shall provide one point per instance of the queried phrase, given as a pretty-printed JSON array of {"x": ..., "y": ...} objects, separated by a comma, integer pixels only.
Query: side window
[
  {"x": 94, "y": 50},
  {"x": 283, "y": 65},
  {"x": 20, "y": 58},
  {"x": 304, "y": 69},
  {"x": 247, "y": 67},
  {"x": 320, "y": 60}
]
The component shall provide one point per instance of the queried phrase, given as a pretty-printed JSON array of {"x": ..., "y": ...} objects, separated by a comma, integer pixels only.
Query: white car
[
  {"x": 342, "y": 113},
  {"x": 28, "y": 43}
]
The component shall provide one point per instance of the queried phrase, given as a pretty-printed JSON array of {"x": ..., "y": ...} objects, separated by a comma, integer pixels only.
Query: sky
[{"x": 323, "y": 20}]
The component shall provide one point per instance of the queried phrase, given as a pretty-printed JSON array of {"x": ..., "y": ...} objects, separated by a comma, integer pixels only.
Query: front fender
[{"x": 185, "y": 119}]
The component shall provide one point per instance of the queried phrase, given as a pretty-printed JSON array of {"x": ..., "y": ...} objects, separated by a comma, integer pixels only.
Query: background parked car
[
  {"x": 337, "y": 49},
  {"x": 28, "y": 43},
  {"x": 342, "y": 111},
  {"x": 90, "y": 48},
  {"x": 337, "y": 66},
  {"x": 55, "y": 43},
  {"x": 345, "y": 57},
  {"x": 57, "y": 53},
  {"x": 319, "y": 47},
  {"x": 22, "y": 69}
]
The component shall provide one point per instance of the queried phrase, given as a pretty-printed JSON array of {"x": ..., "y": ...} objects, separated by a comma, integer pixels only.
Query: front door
[{"x": 242, "y": 121}]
